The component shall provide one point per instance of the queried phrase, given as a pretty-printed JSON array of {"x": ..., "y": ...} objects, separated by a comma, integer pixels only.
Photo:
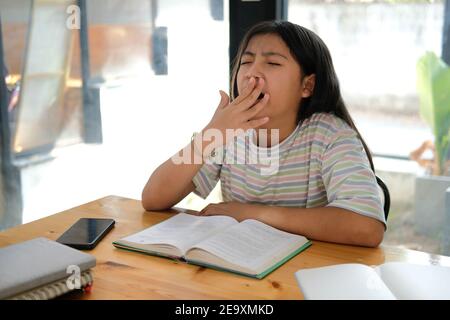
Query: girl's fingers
[
  {"x": 252, "y": 124},
  {"x": 250, "y": 100},
  {"x": 253, "y": 111},
  {"x": 206, "y": 209},
  {"x": 224, "y": 99},
  {"x": 246, "y": 91},
  {"x": 246, "y": 109}
]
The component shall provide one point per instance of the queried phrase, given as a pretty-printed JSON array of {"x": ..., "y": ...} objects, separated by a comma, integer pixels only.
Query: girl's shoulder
[
  {"x": 323, "y": 129},
  {"x": 326, "y": 124}
]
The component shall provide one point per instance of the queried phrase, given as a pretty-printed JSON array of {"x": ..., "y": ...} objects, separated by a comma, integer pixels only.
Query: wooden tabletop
[{"x": 121, "y": 274}]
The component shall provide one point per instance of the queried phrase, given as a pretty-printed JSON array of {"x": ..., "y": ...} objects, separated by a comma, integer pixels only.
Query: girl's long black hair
[{"x": 313, "y": 57}]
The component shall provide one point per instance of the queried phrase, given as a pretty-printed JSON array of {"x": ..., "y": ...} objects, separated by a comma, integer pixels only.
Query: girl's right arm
[{"x": 171, "y": 181}]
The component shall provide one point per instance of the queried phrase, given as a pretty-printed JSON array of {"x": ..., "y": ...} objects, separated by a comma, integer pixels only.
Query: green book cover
[
  {"x": 219, "y": 268},
  {"x": 257, "y": 276}
]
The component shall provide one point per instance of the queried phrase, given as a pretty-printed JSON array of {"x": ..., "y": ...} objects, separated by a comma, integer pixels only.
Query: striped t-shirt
[{"x": 321, "y": 163}]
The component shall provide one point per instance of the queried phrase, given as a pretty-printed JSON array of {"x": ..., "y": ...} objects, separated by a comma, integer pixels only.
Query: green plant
[{"x": 433, "y": 85}]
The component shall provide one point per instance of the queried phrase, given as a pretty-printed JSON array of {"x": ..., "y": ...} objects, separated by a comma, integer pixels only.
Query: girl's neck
[{"x": 285, "y": 129}]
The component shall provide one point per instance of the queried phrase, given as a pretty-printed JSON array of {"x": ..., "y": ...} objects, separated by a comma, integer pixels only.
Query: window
[
  {"x": 375, "y": 46},
  {"x": 157, "y": 67}
]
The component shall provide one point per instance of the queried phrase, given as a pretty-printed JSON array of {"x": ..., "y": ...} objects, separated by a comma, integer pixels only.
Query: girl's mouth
[{"x": 261, "y": 96}]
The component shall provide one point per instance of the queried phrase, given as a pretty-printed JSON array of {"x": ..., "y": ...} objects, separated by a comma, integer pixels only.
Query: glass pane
[
  {"x": 40, "y": 116},
  {"x": 120, "y": 38},
  {"x": 158, "y": 67},
  {"x": 156, "y": 112},
  {"x": 15, "y": 17},
  {"x": 35, "y": 127},
  {"x": 71, "y": 130},
  {"x": 47, "y": 19},
  {"x": 375, "y": 46}
]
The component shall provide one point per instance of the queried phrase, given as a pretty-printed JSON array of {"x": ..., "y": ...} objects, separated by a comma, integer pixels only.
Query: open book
[
  {"x": 249, "y": 248},
  {"x": 389, "y": 281}
]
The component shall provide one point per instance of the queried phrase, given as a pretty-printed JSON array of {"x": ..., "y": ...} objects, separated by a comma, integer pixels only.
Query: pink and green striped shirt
[{"x": 321, "y": 163}]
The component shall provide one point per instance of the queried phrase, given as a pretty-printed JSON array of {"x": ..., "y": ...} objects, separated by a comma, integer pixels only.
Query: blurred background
[{"x": 95, "y": 94}]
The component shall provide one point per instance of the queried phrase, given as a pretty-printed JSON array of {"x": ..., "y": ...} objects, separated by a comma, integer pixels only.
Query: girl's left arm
[{"x": 331, "y": 224}]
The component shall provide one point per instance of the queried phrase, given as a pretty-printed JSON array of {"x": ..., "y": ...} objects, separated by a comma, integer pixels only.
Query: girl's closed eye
[{"x": 270, "y": 63}]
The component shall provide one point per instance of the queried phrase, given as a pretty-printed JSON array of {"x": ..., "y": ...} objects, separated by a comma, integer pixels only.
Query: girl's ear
[{"x": 308, "y": 84}]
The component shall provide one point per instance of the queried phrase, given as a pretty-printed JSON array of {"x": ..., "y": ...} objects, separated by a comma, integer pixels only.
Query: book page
[
  {"x": 252, "y": 244},
  {"x": 412, "y": 281},
  {"x": 342, "y": 282},
  {"x": 182, "y": 230}
]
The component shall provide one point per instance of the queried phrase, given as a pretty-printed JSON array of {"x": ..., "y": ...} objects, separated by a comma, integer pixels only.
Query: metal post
[
  {"x": 91, "y": 92},
  {"x": 159, "y": 43},
  {"x": 216, "y": 9},
  {"x": 10, "y": 183},
  {"x": 245, "y": 14},
  {"x": 446, "y": 34},
  {"x": 445, "y": 236}
]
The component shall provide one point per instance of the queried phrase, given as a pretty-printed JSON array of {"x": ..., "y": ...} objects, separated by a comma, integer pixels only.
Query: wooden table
[{"x": 121, "y": 274}]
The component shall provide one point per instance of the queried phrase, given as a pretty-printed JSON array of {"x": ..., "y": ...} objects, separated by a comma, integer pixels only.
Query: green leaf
[{"x": 433, "y": 85}]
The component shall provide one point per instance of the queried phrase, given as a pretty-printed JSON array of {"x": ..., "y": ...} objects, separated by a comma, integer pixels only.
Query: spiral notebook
[{"x": 43, "y": 269}]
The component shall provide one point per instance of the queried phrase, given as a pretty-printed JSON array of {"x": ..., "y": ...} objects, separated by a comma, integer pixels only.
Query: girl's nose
[
  {"x": 257, "y": 79},
  {"x": 254, "y": 70}
]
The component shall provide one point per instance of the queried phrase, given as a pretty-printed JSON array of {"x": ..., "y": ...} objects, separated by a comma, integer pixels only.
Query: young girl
[{"x": 324, "y": 186}]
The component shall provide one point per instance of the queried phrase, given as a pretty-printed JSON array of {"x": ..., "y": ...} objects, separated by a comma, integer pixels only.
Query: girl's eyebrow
[{"x": 265, "y": 54}]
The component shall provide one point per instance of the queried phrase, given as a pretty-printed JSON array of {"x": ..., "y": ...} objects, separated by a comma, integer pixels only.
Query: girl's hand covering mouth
[{"x": 242, "y": 113}]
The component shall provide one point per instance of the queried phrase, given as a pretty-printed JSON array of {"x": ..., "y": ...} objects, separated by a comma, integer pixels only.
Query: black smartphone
[{"x": 86, "y": 233}]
